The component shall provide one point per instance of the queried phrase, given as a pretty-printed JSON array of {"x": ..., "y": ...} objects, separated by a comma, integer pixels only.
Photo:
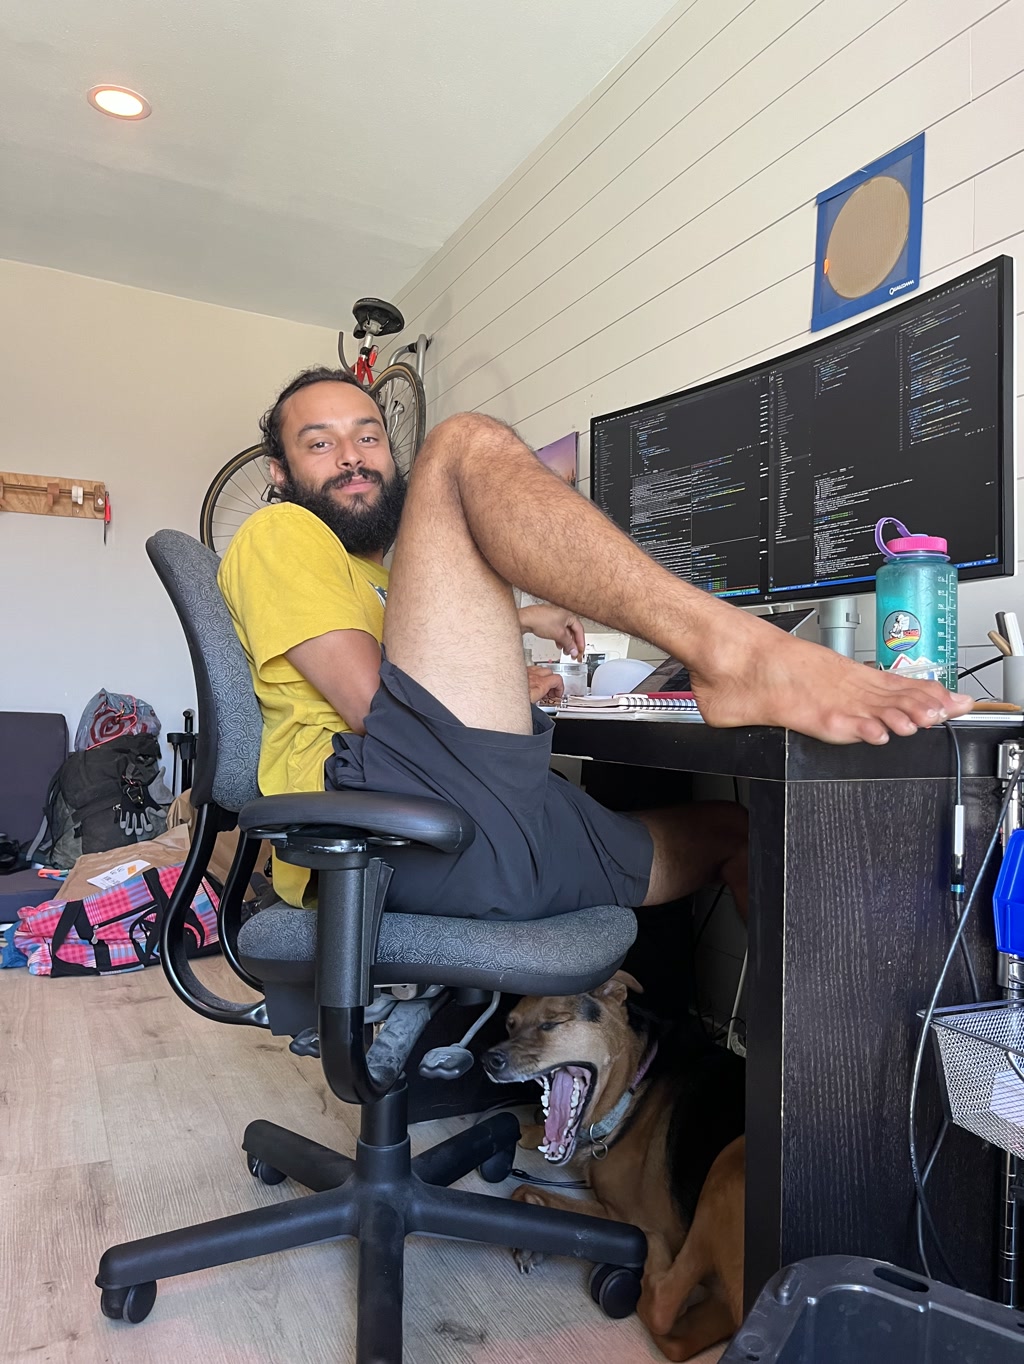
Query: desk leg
[
  {"x": 850, "y": 922},
  {"x": 765, "y": 945}
]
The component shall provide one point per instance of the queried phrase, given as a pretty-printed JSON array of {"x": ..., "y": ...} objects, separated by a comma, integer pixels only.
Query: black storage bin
[{"x": 835, "y": 1309}]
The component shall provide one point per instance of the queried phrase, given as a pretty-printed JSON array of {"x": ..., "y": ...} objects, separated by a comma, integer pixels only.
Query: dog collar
[{"x": 599, "y": 1132}]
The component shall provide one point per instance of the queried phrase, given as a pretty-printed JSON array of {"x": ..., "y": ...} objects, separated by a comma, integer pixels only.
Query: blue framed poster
[{"x": 868, "y": 248}]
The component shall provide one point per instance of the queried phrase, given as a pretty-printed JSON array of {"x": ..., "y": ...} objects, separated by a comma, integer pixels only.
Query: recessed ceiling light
[{"x": 119, "y": 102}]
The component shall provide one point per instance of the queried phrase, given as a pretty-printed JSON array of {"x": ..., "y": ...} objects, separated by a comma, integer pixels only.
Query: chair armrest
[{"x": 420, "y": 819}]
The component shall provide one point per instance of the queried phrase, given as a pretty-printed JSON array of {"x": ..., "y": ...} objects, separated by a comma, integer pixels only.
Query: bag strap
[
  {"x": 74, "y": 916},
  {"x": 47, "y": 836}
]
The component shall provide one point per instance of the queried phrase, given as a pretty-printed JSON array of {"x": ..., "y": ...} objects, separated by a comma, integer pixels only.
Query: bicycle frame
[{"x": 367, "y": 357}]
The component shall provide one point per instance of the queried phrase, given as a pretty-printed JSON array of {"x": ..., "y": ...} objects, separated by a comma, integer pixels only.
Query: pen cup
[{"x": 1013, "y": 679}]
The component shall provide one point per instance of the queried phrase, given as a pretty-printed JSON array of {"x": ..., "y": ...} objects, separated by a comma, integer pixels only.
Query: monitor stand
[{"x": 838, "y": 619}]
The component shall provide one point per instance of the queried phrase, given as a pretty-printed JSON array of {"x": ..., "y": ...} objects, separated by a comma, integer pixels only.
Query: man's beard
[{"x": 369, "y": 528}]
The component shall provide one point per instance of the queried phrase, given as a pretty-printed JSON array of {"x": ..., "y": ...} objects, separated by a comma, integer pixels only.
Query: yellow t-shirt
[{"x": 287, "y": 578}]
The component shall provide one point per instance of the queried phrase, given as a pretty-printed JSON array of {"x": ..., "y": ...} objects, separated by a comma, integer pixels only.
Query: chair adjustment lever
[
  {"x": 306, "y": 1043},
  {"x": 450, "y": 1063}
]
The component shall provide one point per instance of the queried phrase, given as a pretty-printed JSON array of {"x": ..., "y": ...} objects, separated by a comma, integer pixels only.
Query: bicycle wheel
[
  {"x": 239, "y": 489},
  {"x": 400, "y": 397}
]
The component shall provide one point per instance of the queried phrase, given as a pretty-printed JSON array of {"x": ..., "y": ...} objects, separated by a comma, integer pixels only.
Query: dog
[{"x": 659, "y": 1120}]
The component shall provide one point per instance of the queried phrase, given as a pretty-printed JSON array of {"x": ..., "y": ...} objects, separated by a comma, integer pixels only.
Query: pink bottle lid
[{"x": 907, "y": 543}]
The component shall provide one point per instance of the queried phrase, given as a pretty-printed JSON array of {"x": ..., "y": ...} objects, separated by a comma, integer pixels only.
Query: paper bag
[{"x": 181, "y": 814}]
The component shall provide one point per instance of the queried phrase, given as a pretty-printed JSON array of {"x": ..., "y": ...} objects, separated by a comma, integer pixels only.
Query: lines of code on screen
[{"x": 769, "y": 485}]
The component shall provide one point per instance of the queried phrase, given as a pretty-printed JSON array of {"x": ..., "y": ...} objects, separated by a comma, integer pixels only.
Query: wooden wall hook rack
[{"x": 44, "y": 495}]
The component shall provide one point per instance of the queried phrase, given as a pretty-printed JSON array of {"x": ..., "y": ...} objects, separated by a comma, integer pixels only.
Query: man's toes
[
  {"x": 899, "y": 722},
  {"x": 960, "y": 703},
  {"x": 871, "y": 730}
]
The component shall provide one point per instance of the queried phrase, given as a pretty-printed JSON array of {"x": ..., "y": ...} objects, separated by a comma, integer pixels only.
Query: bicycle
[{"x": 244, "y": 484}]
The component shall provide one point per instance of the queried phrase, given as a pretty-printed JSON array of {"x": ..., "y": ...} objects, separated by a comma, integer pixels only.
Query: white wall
[
  {"x": 672, "y": 212},
  {"x": 151, "y": 394}
]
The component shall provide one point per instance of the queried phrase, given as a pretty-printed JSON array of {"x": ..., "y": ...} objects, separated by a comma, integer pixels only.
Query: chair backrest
[{"x": 230, "y": 723}]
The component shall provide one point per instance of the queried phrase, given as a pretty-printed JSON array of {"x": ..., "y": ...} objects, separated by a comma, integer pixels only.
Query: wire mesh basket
[{"x": 981, "y": 1060}]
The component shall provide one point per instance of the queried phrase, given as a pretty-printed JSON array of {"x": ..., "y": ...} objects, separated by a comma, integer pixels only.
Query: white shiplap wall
[{"x": 671, "y": 215}]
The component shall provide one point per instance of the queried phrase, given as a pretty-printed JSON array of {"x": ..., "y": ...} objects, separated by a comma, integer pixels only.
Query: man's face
[{"x": 340, "y": 465}]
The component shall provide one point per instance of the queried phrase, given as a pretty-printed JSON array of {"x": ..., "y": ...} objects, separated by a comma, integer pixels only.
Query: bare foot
[{"x": 756, "y": 675}]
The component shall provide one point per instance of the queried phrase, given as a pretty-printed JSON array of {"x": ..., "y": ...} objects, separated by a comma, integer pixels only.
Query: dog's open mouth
[{"x": 564, "y": 1095}]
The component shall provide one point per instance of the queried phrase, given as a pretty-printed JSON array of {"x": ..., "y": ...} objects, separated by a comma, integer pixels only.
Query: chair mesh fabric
[
  {"x": 230, "y": 724},
  {"x": 568, "y": 948}
]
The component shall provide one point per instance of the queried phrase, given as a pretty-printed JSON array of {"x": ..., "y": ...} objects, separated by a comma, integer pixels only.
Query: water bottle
[{"x": 915, "y": 606}]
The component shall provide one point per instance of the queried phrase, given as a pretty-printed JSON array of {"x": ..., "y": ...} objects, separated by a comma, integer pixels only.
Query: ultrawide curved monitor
[{"x": 765, "y": 486}]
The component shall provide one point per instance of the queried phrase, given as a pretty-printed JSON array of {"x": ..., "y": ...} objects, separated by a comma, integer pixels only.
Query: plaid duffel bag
[{"x": 113, "y": 930}]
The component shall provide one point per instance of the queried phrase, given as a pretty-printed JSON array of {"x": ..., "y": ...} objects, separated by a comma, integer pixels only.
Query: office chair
[{"x": 325, "y": 977}]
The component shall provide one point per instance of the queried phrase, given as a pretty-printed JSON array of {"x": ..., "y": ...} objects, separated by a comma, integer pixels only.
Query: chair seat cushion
[{"x": 562, "y": 955}]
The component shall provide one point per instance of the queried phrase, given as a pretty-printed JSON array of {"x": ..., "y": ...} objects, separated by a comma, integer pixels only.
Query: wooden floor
[{"x": 121, "y": 1114}]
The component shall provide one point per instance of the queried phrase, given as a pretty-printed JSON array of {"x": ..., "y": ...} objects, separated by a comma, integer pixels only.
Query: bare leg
[
  {"x": 484, "y": 513},
  {"x": 698, "y": 845}
]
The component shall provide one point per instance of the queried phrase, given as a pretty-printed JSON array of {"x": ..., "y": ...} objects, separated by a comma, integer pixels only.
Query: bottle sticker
[{"x": 901, "y": 631}]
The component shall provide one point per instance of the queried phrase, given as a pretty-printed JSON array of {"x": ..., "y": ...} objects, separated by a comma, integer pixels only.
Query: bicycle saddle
[{"x": 375, "y": 316}]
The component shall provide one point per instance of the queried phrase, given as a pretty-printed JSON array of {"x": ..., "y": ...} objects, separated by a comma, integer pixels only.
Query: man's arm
[
  {"x": 344, "y": 666},
  {"x": 562, "y": 627}
]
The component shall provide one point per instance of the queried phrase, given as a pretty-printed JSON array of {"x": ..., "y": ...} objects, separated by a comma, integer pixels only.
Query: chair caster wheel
[
  {"x": 266, "y": 1174},
  {"x": 497, "y": 1167},
  {"x": 132, "y": 1304},
  {"x": 615, "y": 1289}
]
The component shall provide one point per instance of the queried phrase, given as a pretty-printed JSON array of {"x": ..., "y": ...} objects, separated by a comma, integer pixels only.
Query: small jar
[{"x": 573, "y": 674}]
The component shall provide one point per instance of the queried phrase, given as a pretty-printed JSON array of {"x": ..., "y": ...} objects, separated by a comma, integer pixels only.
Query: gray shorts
[{"x": 542, "y": 846}]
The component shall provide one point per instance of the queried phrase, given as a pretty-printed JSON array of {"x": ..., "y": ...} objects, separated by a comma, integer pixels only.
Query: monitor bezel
[{"x": 1007, "y": 565}]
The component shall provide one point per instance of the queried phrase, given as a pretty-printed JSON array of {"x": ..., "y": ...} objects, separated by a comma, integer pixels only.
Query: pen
[
  {"x": 1000, "y": 643},
  {"x": 1013, "y": 635}
]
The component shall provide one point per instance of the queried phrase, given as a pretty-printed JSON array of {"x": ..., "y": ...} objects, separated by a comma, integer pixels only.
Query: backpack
[
  {"x": 100, "y": 798},
  {"x": 109, "y": 715},
  {"x": 113, "y": 930}
]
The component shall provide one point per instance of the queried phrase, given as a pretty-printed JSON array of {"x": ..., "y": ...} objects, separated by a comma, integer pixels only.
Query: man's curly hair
[{"x": 270, "y": 422}]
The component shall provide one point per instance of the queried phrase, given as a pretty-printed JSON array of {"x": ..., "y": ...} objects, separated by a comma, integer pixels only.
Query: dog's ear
[{"x": 614, "y": 990}]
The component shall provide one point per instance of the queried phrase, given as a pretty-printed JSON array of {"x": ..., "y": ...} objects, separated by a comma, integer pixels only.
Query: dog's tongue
[{"x": 558, "y": 1108}]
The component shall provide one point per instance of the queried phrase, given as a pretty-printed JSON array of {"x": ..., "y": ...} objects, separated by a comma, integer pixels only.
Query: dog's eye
[{"x": 547, "y": 1027}]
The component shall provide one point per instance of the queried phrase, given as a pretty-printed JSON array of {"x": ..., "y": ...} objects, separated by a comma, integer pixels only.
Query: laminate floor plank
[{"x": 121, "y": 1115}]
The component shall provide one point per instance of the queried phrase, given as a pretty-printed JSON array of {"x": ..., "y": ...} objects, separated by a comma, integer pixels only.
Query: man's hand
[
  {"x": 557, "y": 624},
  {"x": 545, "y": 685}
]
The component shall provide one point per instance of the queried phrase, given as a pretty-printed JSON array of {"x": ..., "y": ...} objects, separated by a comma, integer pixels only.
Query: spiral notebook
[{"x": 631, "y": 700}]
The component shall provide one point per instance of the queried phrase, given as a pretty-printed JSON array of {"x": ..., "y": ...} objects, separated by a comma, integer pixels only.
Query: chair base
[{"x": 380, "y": 1198}]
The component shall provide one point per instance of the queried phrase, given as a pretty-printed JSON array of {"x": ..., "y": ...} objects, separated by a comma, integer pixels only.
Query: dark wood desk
[{"x": 850, "y": 920}]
